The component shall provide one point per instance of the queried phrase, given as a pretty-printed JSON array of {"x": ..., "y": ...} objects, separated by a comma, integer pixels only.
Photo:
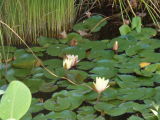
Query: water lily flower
[
  {"x": 67, "y": 63},
  {"x": 101, "y": 84},
  {"x": 70, "y": 61}
]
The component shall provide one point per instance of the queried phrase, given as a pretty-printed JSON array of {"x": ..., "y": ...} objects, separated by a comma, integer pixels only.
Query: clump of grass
[
  {"x": 142, "y": 7},
  {"x": 135, "y": 7},
  {"x": 34, "y": 18}
]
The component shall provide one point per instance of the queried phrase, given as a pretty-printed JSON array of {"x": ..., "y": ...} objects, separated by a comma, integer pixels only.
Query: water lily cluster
[{"x": 100, "y": 85}]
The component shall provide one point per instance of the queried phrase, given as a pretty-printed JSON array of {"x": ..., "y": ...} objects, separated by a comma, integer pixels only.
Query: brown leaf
[
  {"x": 127, "y": 22},
  {"x": 38, "y": 63},
  {"x": 73, "y": 42},
  {"x": 88, "y": 52},
  {"x": 63, "y": 34},
  {"x": 133, "y": 3},
  {"x": 141, "y": 14},
  {"x": 84, "y": 33},
  {"x": 88, "y": 14}
]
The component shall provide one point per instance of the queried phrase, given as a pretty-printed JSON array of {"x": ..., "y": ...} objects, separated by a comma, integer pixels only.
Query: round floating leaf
[
  {"x": 45, "y": 42},
  {"x": 106, "y": 63},
  {"x": 109, "y": 94},
  {"x": 144, "y": 34},
  {"x": 19, "y": 52},
  {"x": 15, "y": 102},
  {"x": 81, "y": 52},
  {"x": 9, "y": 75},
  {"x": 131, "y": 94},
  {"x": 48, "y": 87},
  {"x": 86, "y": 110},
  {"x": 85, "y": 65},
  {"x": 110, "y": 109},
  {"x": 64, "y": 100},
  {"x": 24, "y": 61},
  {"x": 124, "y": 29},
  {"x": 96, "y": 45},
  {"x": 21, "y": 73},
  {"x": 64, "y": 115},
  {"x": 77, "y": 75},
  {"x": 40, "y": 116},
  {"x": 136, "y": 23},
  {"x": 135, "y": 49},
  {"x": 36, "y": 106},
  {"x": 123, "y": 42},
  {"x": 27, "y": 116},
  {"x": 56, "y": 50},
  {"x": 86, "y": 117},
  {"x": 106, "y": 72},
  {"x": 129, "y": 81},
  {"x": 34, "y": 84},
  {"x": 135, "y": 118},
  {"x": 36, "y": 49},
  {"x": 74, "y": 36},
  {"x": 54, "y": 63},
  {"x": 94, "y": 24},
  {"x": 101, "y": 54}
]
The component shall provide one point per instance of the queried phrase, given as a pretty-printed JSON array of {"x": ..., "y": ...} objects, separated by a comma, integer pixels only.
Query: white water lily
[
  {"x": 67, "y": 63},
  {"x": 70, "y": 61},
  {"x": 101, "y": 84}
]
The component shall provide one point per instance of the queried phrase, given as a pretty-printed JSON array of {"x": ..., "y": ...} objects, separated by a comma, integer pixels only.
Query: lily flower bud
[{"x": 115, "y": 46}]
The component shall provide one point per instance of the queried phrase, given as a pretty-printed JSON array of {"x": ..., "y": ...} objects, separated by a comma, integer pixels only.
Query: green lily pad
[
  {"x": 101, "y": 54},
  {"x": 124, "y": 29},
  {"x": 135, "y": 118},
  {"x": 48, "y": 87},
  {"x": 56, "y": 50},
  {"x": 93, "y": 24},
  {"x": 110, "y": 109},
  {"x": 45, "y": 42},
  {"x": 77, "y": 75},
  {"x": 131, "y": 94},
  {"x": 85, "y": 65},
  {"x": 64, "y": 115},
  {"x": 36, "y": 106},
  {"x": 137, "y": 24},
  {"x": 144, "y": 34},
  {"x": 34, "y": 84},
  {"x": 24, "y": 61},
  {"x": 129, "y": 81},
  {"x": 63, "y": 100},
  {"x": 54, "y": 63},
  {"x": 106, "y": 72}
]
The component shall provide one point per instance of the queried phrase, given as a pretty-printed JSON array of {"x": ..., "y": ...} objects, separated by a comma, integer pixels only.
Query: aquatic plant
[{"x": 34, "y": 18}]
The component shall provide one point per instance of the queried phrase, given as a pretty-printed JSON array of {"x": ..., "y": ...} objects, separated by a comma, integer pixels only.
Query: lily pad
[
  {"x": 93, "y": 24},
  {"x": 24, "y": 61}
]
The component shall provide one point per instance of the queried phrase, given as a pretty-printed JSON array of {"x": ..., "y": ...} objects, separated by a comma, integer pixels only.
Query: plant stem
[{"x": 98, "y": 97}]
